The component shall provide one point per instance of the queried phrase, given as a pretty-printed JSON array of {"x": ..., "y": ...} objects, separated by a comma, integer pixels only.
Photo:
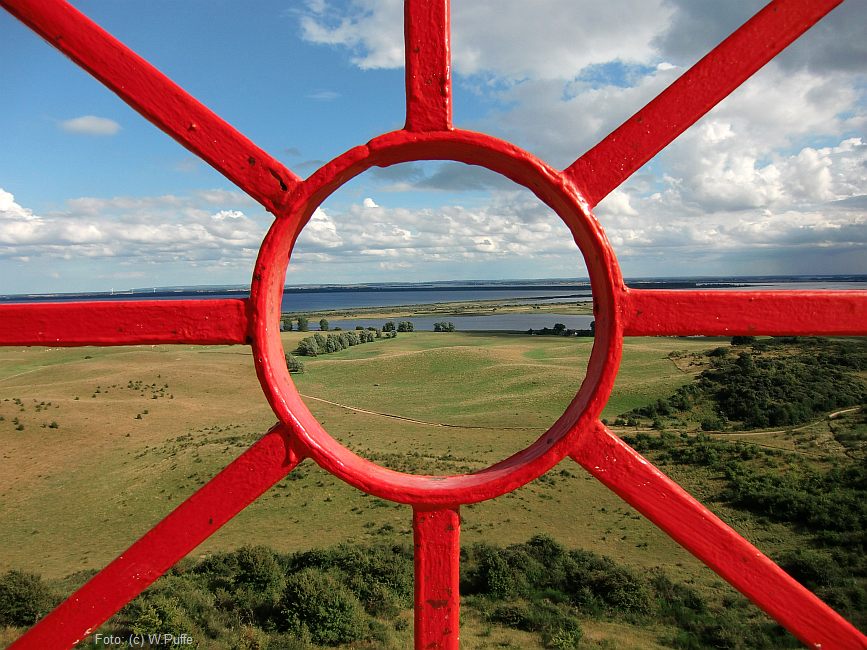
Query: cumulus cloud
[
  {"x": 141, "y": 230},
  {"x": 797, "y": 213},
  {"x": 512, "y": 39},
  {"x": 90, "y": 125}
]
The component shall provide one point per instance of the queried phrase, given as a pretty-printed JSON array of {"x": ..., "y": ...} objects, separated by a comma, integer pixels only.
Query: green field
[{"x": 98, "y": 444}]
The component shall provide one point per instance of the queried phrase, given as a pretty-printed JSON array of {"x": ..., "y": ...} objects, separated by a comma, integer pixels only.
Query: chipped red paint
[
  {"x": 428, "y": 63},
  {"x": 429, "y": 135},
  {"x": 436, "y": 536},
  {"x": 127, "y": 322},
  {"x": 268, "y": 354},
  {"x": 728, "y": 313}
]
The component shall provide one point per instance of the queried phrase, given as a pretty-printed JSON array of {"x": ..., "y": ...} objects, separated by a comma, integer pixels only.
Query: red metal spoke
[
  {"x": 428, "y": 65},
  {"x": 704, "y": 535},
  {"x": 196, "y": 519},
  {"x": 128, "y": 322},
  {"x": 436, "y": 535},
  {"x": 699, "y": 89},
  {"x": 729, "y": 313},
  {"x": 158, "y": 99}
]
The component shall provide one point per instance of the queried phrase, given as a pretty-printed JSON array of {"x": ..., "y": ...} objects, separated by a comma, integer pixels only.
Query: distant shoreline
[{"x": 499, "y": 286}]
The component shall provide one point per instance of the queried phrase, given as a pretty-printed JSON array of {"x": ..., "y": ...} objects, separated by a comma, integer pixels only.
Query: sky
[{"x": 93, "y": 197}]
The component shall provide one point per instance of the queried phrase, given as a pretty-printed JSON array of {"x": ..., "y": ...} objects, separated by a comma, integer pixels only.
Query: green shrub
[
  {"x": 249, "y": 581},
  {"x": 293, "y": 364},
  {"x": 319, "y": 603},
  {"x": 24, "y": 598}
]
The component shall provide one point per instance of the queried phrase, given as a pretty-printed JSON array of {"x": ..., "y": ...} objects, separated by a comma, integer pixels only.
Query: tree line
[
  {"x": 560, "y": 329},
  {"x": 762, "y": 383},
  {"x": 318, "y": 344},
  {"x": 256, "y": 598},
  {"x": 302, "y": 324}
]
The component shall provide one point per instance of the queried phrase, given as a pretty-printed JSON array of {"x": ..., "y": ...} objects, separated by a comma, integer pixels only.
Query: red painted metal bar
[
  {"x": 428, "y": 65},
  {"x": 704, "y": 535},
  {"x": 728, "y": 313},
  {"x": 157, "y": 98},
  {"x": 128, "y": 322},
  {"x": 436, "y": 535},
  {"x": 196, "y": 519},
  {"x": 699, "y": 89}
]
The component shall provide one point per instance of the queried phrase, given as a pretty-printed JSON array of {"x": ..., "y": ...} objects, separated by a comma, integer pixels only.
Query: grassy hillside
[
  {"x": 139, "y": 429},
  {"x": 99, "y": 443}
]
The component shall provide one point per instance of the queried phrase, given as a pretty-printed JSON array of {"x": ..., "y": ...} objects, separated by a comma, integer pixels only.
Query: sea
[{"x": 307, "y": 299}]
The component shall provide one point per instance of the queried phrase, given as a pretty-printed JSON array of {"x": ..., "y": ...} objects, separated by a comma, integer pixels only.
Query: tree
[
  {"x": 24, "y": 598},
  {"x": 286, "y": 325},
  {"x": 405, "y": 326},
  {"x": 323, "y": 325},
  {"x": 293, "y": 364},
  {"x": 388, "y": 327},
  {"x": 559, "y": 329},
  {"x": 308, "y": 348},
  {"x": 303, "y": 325}
]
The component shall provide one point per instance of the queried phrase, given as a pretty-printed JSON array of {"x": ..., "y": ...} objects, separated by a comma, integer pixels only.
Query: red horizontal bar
[
  {"x": 196, "y": 519},
  {"x": 698, "y": 90},
  {"x": 728, "y": 313},
  {"x": 157, "y": 98},
  {"x": 128, "y": 322},
  {"x": 436, "y": 536},
  {"x": 428, "y": 65},
  {"x": 704, "y": 535}
]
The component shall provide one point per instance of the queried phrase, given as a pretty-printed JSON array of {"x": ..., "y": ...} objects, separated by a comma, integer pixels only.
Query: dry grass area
[{"x": 139, "y": 429}]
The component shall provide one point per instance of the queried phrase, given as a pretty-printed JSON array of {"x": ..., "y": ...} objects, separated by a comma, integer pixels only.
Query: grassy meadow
[{"x": 98, "y": 444}]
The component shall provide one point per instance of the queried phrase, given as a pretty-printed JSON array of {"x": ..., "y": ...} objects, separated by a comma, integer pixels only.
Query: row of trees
[
  {"x": 254, "y": 597},
  {"x": 402, "y": 326},
  {"x": 303, "y": 325},
  {"x": 317, "y": 344},
  {"x": 560, "y": 329}
]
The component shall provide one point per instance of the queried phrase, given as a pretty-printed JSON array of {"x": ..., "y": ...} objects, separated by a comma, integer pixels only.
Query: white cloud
[
  {"x": 512, "y": 39},
  {"x": 142, "y": 230},
  {"x": 90, "y": 125}
]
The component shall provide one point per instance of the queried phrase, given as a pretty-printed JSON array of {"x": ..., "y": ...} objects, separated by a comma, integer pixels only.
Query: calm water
[
  {"x": 517, "y": 322},
  {"x": 301, "y": 300}
]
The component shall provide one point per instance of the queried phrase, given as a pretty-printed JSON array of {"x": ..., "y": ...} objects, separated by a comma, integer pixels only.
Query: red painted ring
[{"x": 553, "y": 189}]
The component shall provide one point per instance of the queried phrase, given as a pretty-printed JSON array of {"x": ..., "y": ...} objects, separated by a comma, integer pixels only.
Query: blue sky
[{"x": 93, "y": 197}]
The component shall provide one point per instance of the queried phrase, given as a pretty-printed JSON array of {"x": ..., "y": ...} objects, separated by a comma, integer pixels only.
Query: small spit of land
[
  {"x": 98, "y": 444},
  {"x": 576, "y": 307}
]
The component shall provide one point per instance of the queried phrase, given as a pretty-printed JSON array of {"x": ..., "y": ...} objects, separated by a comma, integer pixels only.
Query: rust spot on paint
[{"x": 283, "y": 185}]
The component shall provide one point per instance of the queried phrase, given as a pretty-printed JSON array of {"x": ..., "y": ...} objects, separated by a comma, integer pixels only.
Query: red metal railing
[{"x": 435, "y": 501}]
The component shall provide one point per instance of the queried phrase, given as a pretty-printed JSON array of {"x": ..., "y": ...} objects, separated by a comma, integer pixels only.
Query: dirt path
[{"x": 414, "y": 421}]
